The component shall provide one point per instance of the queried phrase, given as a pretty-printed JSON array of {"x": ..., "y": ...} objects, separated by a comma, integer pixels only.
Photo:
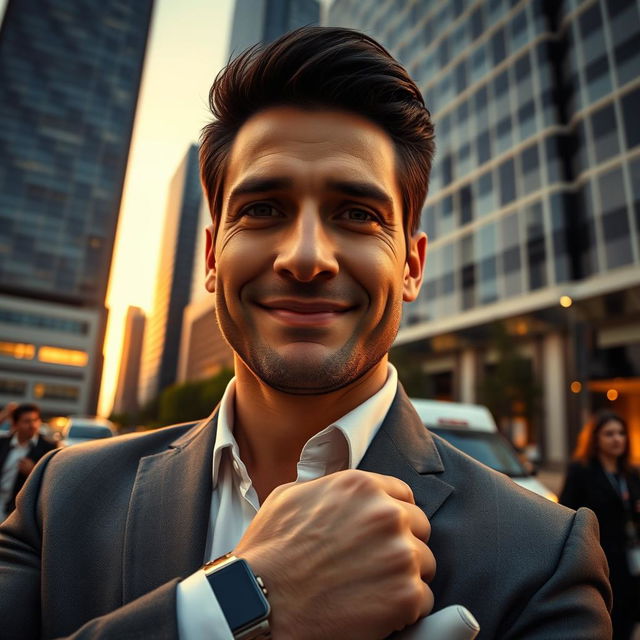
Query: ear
[
  {"x": 210, "y": 260},
  {"x": 414, "y": 267}
]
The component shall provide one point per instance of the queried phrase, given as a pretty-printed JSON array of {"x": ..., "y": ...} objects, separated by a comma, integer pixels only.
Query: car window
[
  {"x": 489, "y": 448},
  {"x": 88, "y": 431}
]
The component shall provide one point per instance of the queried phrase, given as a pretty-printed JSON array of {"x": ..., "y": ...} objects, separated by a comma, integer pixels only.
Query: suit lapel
[
  {"x": 606, "y": 484},
  {"x": 404, "y": 448},
  {"x": 4, "y": 449},
  {"x": 168, "y": 513}
]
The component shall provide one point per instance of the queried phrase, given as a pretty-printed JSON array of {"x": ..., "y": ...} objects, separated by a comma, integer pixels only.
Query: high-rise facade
[
  {"x": 70, "y": 80},
  {"x": 173, "y": 281},
  {"x": 262, "y": 21},
  {"x": 534, "y": 195},
  {"x": 126, "y": 396}
]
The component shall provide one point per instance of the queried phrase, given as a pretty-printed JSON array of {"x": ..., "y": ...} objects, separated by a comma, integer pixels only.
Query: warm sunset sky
[{"x": 187, "y": 47}]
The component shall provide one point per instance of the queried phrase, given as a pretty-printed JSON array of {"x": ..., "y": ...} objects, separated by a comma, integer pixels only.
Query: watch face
[{"x": 239, "y": 595}]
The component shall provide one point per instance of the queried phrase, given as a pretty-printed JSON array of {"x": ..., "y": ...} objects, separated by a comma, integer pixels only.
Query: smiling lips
[{"x": 305, "y": 312}]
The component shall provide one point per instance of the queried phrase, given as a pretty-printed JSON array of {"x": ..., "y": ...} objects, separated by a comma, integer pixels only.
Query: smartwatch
[{"x": 241, "y": 595}]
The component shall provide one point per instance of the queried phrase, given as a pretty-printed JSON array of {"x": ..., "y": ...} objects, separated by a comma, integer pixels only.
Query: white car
[
  {"x": 80, "y": 429},
  {"x": 472, "y": 429}
]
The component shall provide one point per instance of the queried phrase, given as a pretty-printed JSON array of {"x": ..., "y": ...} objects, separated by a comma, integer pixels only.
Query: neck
[
  {"x": 272, "y": 427},
  {"x": 609, "y": 463},
  {"x": 22, "y": 440}
]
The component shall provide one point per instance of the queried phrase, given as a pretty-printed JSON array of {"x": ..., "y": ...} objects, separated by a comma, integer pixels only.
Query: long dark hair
[{"x": 586, "y": 450}]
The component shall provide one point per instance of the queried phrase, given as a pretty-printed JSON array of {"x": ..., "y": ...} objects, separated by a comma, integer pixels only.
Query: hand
[
  {"x": 344, "y": 556},
  {"x": 25, "y": 466},
  {"x": 7, "y": 410}
]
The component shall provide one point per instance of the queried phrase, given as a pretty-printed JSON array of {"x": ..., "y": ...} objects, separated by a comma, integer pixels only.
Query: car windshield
[
  {"x": 489, "y": 448},
  {"x": 86, "y": 431}
]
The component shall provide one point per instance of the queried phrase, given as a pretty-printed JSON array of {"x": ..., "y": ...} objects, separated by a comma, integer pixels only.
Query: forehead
[
  {"x": 28, "y": 415},
  {"x": 612, "y": 425},
  {"x": 312, "y": 146}
]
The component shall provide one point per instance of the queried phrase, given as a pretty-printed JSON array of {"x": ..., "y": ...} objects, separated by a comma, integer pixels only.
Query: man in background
[{"x": 19, "y": 452}]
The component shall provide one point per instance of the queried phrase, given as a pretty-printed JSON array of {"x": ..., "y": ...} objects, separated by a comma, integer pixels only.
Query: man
[
  {"x": 19, "y": 452},
  {"x": 314, "y": 471}
]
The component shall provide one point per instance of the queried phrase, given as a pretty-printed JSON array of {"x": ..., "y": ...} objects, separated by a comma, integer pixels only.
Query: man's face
[
  {"x": 27, "y": 425},
  {"x": 309, "y": 265}
]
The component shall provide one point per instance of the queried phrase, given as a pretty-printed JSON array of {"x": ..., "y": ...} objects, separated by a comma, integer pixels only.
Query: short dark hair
[
  {"x": 322, "y": 67},
  {"x": 21, "y": 409}
]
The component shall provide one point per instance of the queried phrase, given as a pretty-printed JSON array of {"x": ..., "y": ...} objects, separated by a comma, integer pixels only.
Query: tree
[
  {"x": 509, "y": 388},
  {"x": 192, "y": 400}
]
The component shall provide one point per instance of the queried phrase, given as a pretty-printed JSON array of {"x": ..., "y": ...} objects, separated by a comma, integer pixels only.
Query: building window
[
  {"x": 508, "y": 190},
  {"x": 13, "y": 388},
  {"x": 486, "y": 200},
  {"x": 57, "y": 355},
  {"x": 615, "y": 220},
  {"x": 536, "y": 250},
  {"x": 26, "y": 319},
  {"x": 630, "y": 109},
  {"x": 45, "y": 391},
  {"x": 530, "y": 169},
  {"x": 17, "y": 350}
]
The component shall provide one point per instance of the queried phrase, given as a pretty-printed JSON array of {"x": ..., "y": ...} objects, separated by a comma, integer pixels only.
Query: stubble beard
[{"x": 306, "y": 375}]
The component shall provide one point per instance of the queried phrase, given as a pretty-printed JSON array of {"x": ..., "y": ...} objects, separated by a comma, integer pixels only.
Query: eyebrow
[
  {"x": 358, "y": 189},
  {"x": 351, "y": 188}
]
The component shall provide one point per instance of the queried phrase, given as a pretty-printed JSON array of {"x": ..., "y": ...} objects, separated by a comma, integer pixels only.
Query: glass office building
[
  {"x": 535, "y": 194},
  {"x": 70, "y": 80},
  {"x": 173, "y": 281},
  {"x": 262, "y": 21}
]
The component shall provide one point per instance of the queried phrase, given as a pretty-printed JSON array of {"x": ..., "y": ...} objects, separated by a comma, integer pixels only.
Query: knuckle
[{"x": 353, "y": 480}]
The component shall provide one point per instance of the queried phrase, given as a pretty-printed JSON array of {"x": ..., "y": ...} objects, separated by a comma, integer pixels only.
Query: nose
[{"x": 306, "y": 251}]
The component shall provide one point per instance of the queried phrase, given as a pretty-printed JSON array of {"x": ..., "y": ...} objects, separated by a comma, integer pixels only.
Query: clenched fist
[{"x": 343, "y": 556}]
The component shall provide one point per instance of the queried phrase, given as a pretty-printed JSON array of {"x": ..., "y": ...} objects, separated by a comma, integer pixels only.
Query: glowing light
[
  {"x": 576, "y": 387},
  {"x": 56, "y": 355},
  {"x": 612, "y": 395},
  {"x": 18, "y": 350},
  {"x": 566, "y": 301}
]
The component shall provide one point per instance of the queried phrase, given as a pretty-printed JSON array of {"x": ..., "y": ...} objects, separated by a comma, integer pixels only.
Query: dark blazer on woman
[{"x": 587, "y": 485}]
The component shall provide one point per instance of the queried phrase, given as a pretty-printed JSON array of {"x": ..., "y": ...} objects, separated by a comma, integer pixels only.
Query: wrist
[{"x": 241, "y": 595}]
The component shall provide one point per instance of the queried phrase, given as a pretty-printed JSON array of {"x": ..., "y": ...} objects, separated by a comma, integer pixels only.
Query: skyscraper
[
  {"x": 173, "y": 282},
  {"x": 534, "y": 196},
  {"x": 70, "y": 80},
  {"x": 126, "y": 397},
  {"x": 262, "y": 21}
]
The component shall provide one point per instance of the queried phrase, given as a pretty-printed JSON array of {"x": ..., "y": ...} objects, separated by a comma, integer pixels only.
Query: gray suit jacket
[{"x": 103, "y": 532}]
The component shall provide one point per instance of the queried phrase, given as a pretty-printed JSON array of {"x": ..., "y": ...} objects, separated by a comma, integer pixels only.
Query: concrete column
[
  {"x": 555, "y": 390},
  {"x": 468, "y": 375}
]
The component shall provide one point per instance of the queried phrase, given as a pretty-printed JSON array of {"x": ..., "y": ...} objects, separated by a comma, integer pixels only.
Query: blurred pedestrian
[
  {"x": 19, "y": 452},
  {"x": 602, "y": 479}
]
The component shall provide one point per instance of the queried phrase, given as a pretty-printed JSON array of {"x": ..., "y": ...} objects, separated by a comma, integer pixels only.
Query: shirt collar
[
  {"x": 32, "y": 441},
  {"x": 325, "y": 449}
]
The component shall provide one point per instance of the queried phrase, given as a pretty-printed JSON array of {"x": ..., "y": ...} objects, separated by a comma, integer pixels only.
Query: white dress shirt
[
  {"x": 234, "y": 501},
  {"x": 9, "y": 471}
]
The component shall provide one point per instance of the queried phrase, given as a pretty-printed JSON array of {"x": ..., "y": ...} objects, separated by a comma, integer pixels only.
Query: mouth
[{"x": 297, "y": 312}]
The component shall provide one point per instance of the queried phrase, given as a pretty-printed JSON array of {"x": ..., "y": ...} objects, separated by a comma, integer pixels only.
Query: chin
[{"x": 309, "y": 371}]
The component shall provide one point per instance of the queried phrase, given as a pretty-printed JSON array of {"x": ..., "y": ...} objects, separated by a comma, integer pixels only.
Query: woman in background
[{"x": 602, "y": 479}]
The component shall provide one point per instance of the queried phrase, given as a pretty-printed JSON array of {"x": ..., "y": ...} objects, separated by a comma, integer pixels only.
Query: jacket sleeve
[
  {"x": 576, "y": 599},
  {"x": 151, "y": 616}
]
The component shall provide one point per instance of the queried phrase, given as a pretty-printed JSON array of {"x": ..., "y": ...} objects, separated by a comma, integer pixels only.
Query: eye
[
  {"x": 359, "y": 215},
  {"x": 261, "y": 210}
]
